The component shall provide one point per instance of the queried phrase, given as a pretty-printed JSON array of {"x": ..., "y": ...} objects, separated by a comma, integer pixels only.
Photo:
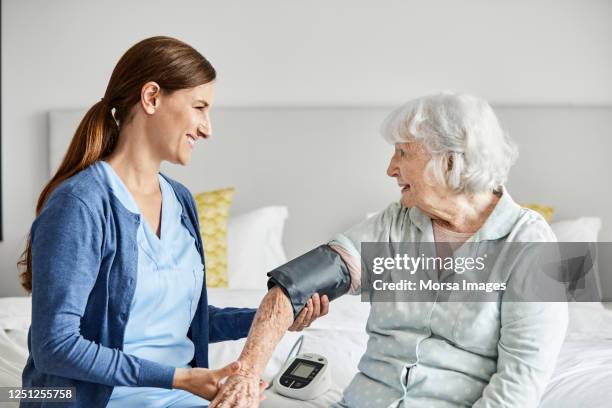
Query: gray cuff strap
[{"x": 320, "y": 270}]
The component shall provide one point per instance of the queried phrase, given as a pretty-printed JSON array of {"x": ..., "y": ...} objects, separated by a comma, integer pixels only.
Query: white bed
[{"x": 583, "y": 377}]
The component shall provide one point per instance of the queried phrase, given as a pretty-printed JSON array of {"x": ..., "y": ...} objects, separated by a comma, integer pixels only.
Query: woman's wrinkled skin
[{"x": 273, "y": 318}]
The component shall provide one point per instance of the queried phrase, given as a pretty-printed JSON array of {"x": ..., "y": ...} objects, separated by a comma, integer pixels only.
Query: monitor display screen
[{"x": 302, "y": 370}]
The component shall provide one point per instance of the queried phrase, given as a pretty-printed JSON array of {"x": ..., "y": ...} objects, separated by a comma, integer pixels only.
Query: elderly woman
[{"x": 451, "y": 161}]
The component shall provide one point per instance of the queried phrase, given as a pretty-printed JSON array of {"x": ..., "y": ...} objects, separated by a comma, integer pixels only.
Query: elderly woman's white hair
[{"x": 470, "y": 152}]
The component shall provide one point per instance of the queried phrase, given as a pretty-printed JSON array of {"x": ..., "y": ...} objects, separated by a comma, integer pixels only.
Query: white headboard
[{"x": 328, "y": 164}]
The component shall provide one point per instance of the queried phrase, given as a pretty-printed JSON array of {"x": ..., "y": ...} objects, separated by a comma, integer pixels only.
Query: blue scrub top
[{"x": 168, "y": 288}]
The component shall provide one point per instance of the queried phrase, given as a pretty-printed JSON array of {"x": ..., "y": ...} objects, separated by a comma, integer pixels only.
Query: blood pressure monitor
[{"x": 303, "y": 377}]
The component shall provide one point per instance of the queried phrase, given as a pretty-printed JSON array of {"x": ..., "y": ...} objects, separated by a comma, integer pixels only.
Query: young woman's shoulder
[
  {"x": 86, "y": 186},
  {"x": 75, "y": 206},
  {"x": 85, "y": 189}
]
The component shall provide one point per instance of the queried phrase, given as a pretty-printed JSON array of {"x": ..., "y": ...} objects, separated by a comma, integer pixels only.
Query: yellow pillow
[
  {"x": 213, "y": 212},
  {"x": 545, "y": 211}
]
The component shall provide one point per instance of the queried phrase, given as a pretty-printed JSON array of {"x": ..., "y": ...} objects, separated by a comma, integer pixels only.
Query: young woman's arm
[
  {"x": 229, "y": 323},
  {"x": 66, "y": 258}
]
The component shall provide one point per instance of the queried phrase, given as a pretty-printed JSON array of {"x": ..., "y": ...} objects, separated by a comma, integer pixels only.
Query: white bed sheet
[{"x": 583, "y": 376}]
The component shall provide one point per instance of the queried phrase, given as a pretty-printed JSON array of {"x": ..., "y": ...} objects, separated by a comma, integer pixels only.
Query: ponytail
[{"x": 95, "y": 138}]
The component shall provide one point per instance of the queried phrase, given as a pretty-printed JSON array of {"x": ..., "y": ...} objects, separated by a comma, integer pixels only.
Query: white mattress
[{"x": 583, "y": 376}]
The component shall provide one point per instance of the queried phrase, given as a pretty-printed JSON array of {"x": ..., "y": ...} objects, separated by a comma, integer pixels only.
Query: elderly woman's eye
[{"x": 402, "y": 153}]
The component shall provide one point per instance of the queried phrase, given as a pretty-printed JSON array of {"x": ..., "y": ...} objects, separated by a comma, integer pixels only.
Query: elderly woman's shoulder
[
  {"x": 377, "y": 222},
  {"x": 393, "y": 209},
  {"x": 531, "y": 227},
  {"x": 394, "y": 213}
]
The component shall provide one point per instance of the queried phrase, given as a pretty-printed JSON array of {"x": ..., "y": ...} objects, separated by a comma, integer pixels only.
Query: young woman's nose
[{"x": 204, "y": 130}]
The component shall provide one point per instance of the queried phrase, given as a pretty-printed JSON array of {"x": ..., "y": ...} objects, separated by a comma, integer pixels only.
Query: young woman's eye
[{"x": 200, "y": 107}]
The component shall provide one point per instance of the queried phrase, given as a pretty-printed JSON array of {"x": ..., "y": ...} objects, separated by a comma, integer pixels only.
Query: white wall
[{"x": 59, "y": 54}]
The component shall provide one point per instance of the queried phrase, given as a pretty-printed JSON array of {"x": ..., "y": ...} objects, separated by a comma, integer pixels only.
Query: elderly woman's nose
[{"x": 392, "y": 168}]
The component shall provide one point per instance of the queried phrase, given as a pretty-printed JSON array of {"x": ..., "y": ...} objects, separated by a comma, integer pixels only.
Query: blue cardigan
[{"x": 84, "y": 268}]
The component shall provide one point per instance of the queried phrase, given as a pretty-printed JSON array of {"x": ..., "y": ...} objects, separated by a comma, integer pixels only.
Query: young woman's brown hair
[{"x": 167, "y": 61}]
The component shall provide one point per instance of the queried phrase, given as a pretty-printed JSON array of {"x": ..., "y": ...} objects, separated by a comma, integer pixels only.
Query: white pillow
[
  {"x": 254, "y": 246},
  {"x": 589, "y": 320},
  {"x": 584, "y": 229}
]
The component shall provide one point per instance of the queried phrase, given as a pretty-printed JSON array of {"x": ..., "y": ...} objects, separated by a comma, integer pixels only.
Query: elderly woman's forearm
[
  {"x": 271, "y": 321},
  {"x": 278, "y": 309}
]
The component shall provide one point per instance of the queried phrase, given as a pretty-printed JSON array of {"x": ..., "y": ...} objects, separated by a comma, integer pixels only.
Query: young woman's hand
[
  {"x": 315, "y": 308},
  {"x": 202, "y": 381}
]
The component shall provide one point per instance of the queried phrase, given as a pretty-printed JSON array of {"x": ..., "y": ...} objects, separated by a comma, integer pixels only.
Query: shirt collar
[{"x": 498, "y": 224}]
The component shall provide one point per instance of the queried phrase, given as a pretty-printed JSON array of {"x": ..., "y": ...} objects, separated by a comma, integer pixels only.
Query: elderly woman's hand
[
  {"x": 315, "y": 308},
  {"x": 202, "y": 381},
  {"x": 240, "y": 391}
]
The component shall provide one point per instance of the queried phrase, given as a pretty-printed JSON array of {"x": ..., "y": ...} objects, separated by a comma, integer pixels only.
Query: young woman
[{"x": 114, "y": 260}]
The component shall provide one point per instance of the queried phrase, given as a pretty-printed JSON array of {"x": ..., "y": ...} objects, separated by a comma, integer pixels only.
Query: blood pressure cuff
[{"x": 321, "y": 270}]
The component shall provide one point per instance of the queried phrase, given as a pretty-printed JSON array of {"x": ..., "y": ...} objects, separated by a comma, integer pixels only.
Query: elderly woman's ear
[{"x": 449, "y": 163}]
